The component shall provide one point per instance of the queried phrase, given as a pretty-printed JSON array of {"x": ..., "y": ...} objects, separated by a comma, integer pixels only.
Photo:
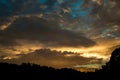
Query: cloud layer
[
  {"x": 56, "y": 59},
  {"x": 45, "y": 32},
  {"x": 88, "y": 25}
]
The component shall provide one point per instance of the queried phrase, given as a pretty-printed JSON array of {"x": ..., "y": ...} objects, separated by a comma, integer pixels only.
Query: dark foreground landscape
[{"x": 27, "y": 71}]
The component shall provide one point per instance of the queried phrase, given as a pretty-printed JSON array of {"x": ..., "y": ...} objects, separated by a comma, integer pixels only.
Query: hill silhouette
[{"x": 110, "y": 71}]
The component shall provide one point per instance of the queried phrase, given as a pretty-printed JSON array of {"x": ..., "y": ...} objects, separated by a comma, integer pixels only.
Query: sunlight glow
[
  {"x": 101, "y": 50},
  {"x": 98, "y": 52}
]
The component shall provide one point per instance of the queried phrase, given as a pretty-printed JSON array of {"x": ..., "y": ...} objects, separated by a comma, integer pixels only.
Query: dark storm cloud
[
  {"x": 107, "y": 11},
  {"x": 46, "y": 32},
  {"x": 103, "y": 18},
  {"x": 63, "y": 23},
  {"x": 100, "y": 13},
  {"x": 54, "y": 58}
]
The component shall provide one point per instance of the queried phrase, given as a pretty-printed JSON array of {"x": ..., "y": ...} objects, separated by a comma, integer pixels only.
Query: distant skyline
[{"x": 87, "y": 30}]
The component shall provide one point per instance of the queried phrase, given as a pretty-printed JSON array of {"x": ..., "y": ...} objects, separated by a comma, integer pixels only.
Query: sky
[{"x": 59, "y": 33}]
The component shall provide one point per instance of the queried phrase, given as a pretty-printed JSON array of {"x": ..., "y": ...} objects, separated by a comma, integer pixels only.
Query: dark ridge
[{"x": 110, "y": 71}]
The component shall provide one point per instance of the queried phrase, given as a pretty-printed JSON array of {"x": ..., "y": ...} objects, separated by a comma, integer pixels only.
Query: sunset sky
[{"x": 59, "y": 33}]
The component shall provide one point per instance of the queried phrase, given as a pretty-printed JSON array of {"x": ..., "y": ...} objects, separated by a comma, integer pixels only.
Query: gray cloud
[
  {"x": 104, "y": 17},
  {"x": 56, "y": 28},
  {"x": 107, "y": 11},
  {"x": 43, "y": 31}
]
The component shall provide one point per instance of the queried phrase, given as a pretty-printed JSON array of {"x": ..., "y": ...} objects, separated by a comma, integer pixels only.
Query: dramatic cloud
[
  {"x": 56, "y": 59},
  {"x": 45, "y": 32},
  {"x": 90, "y": 27}
]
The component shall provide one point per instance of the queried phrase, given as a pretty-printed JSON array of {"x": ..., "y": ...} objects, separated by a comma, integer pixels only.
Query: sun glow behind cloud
[
  {"x": 100, "y": 50},
  {"x": 87, "y": 28}
]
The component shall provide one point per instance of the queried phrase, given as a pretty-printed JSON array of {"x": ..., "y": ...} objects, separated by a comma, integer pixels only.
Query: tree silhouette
[
  {"x": 110, "y": 71},
  {"x": 114, "y": 63}
]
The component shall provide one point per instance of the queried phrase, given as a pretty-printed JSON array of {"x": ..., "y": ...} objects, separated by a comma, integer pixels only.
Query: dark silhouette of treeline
[{"x": 27, "y": 71}]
